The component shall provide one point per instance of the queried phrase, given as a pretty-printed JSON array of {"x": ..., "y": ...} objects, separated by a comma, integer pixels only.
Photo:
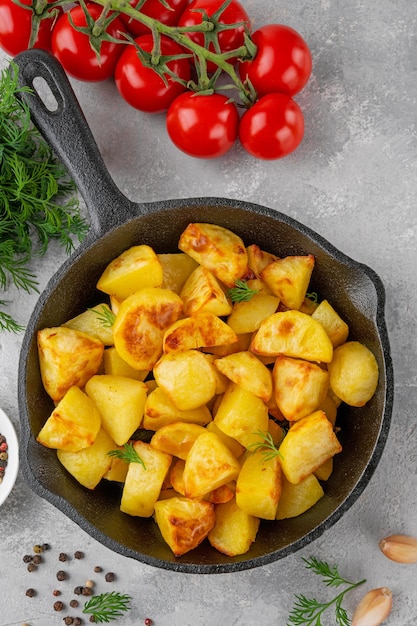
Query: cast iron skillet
[{"x": 117, "y": 223}]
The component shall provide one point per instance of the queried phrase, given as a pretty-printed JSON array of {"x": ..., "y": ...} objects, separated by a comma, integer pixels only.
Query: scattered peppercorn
[
  {"x": 45, "y": 546},
  {"x": 87, "y": 591},
  {"x": 92, "y": 618},
  {"x": 98, "y": 568},
  {"x": 58, "y": 606},
  {"x": 31, "y": 567},
  {"x": 30, "y": 593},
  {"x": 56, "y": 592},
  {"x": 37, "y": 549},
  {"x": 89, "y": 583},
  {"x": 61, "y": 575},
  {"x": 63, "y": 556},
  {"x": 78, "y": 590},
  {"x": 148, "y": 621},
  {"x": 27, "y": 558},
  {"x": 109, "y": 577},
  {"x": 78, "y": 554},
  {"x": 68, "y": 620},
  {"x": 74, "y": 604},
  {"x": 78, "y": 621},
  {"x": 37, "y": 559}
]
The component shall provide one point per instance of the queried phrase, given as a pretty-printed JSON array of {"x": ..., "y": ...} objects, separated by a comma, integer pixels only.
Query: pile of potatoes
[{"x": 240, "y": 397}]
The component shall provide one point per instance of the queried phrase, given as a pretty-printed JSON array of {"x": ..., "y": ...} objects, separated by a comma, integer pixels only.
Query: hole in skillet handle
[{"x": 56, "y": 112}]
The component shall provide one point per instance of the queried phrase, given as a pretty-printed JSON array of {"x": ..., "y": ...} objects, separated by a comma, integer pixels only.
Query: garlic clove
[
  {"x": 374, "y": 608},
  {"x": 399, "y": 548}
]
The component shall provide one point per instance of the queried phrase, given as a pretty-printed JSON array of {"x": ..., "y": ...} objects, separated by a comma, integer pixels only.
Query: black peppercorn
[
  {"x": 27, "y": 558},
  {"x": 78, "y": 590},
  {"x": 31, "y": 567},
  {"x": 56, "y": 592},
  {"x": 78, "y": 621},
  {"x": 62, "y": 556},
  {"x": 109, "y": 577},
  {"x": 78, "y": 554},
  {"x": 61, "y": 575},
  {"x": 68, "y": 620},
  {"x": 58, "y": 606},
  {"x": 98, "y": 568},
  {"x": 37, "y": 559},
  {"x": 87, "y": 591},
  {"x": 74, "y": 604},
  {"x": 30, "y": 593}
]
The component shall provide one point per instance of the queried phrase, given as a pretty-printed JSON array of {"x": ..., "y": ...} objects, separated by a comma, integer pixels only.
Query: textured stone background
[{"x": 353, "y": 181}]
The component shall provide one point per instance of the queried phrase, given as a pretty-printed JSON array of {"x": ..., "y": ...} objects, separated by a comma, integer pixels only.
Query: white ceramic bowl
[{"x": 10, "y": 475}]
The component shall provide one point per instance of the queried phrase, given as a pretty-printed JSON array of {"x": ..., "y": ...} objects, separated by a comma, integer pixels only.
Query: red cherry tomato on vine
[
  {"x": 141, "y": 86},
  {"x": 72, "y": 48},
  {"x": 203, "y": 126},
  {"x": 16, "y": 26},
  {"x": 273, "y": 127},
  {"x": 282, "y": 62},
  {"x": 167, "y": 13},
  {"x": 229, "y": 39}
]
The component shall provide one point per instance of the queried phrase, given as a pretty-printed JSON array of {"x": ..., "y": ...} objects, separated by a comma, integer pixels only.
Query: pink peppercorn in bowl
[{"x": 9, "y": 456}]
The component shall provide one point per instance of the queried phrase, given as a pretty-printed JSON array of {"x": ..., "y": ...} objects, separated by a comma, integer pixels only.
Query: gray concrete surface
[{"x": 354, "y": 181}]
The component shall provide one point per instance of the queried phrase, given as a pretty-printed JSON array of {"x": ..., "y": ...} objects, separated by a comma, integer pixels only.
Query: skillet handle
[{"x": 65, "y": 128}]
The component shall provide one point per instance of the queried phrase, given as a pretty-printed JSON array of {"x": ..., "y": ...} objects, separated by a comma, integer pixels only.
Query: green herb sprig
[
  {"x": 105, "y": 315},
  {"x": 308, "y": 611},
  {"x": 128, "y": 454},
  {"x": 241, "y": 292},
  {"x": 38, "y": 202},
  {"x": 265, "y": 445},
  {"x": 107, "y": 607}
]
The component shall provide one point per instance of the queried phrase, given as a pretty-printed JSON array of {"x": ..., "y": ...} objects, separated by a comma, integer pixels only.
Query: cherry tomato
[
  {"x": 273, "y": 127},
  {"x": 167, "y": 13},
  {"x": 16, "y": 27},
  {"x": 228, "y": 39},
  {"x": 141, "y": 86},
  {"x": 282, "y": 62},
  {"x": 72, "y": 48},
  {"x": 203, "y": 126}
]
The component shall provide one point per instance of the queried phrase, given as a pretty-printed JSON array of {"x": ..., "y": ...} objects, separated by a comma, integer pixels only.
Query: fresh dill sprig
[
  {"x": 265, "y": 445},
  {"x": 38, "y": 201},
  {"x": 241, "y": 292},
  {"x": 128, "y": 454},
  {"x": 308, "y": 611},
  {"x": 7, "y": 322},
  {"x": 105, "y": 315},
  {"x": 107, "y": 607},
  {"x": 313, "y": 296}
]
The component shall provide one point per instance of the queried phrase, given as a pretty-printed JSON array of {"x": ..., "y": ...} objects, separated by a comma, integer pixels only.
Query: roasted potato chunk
[
  {"x": 183, "y": 522},
  {"x": 114, "y": 364},
  {"x": 246, "y": 317},
  {"x": 218, "y": 249},
  {"x": 234, "y": 531},
  {"x": 67, "y": 357},
  {"x": 121, "y": 403},
  {"x": 93, "y": 323},
  {"x": 247, "y": 371},
  {"x": 209, "y": 464},
  {"x": 202, "y": 330},
  {"x": 136, "y": 268},
  {"x": 140, "y": 323},
  {"x": 144, "y": 482},
  {"x": 187, "y": 378},
  {"x": 88, "y": 466},
  {"x": 288, "y": 279},
  {"x": 176, "y": 268},
  {"x": 258, "y": 486},
  {"x": 160, "y": 411},
  {"x": 177, "y": 438},
  {"x": 333, "y": 324},
  {"x": 307, "y": 445},
  {"x": 73, "y": 424},
  {"x": 294, "y": 334},
  {"x": 296, "y": 499},
  {"x": 259, "y": 259},
  {"x": 354, "y": 373},
  {"x": 202, "y": 293},
  {"x": 300, "y": 387}
]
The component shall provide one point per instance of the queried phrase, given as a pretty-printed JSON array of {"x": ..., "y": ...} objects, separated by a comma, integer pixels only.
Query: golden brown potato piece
[
  {"x": 140, "y": 324},
  {"x": 187, "y": 378},
  {"x": 202, "y": 293},
  {"x": 354, "y": 373},
  {"x": 218, "y": 249},
  {"x": 294, "y": 334},
  {"x": 88, "y": 466},
  {"x": 235, "y": 530},
  {"x": 307, "y": 445},
  {"x": 176, "y": 438},
  {"x": 333, "y": 324},
  {"x": 296, "y": 499},
  {"x": 143, "y": 484},
  {"x": 176, "y": 268},
  {"x": 73, "y": 424},
  {"x": 120, "y": 401},
  {"x": 184, "y": 523},
  {"x": 209, "y": 464},
  {"x": 202, "y": 330},
  {"x": 67, "y": 357},
  {"x": 258, "y": 486},
  {"x": 160, "y": 411},
  {"x": 288, "y": 278},
  {"x": 241, "y": 415},
  {"x": 300, "y": 387},
  {"x": 258, "y": 259},
  {"x": 246, "y": 317},
  {"x": 234, "y": 446},
  {"x": 136, "y": 268},
  {"x": 93, "y": 322},
  {"x": 247, "y": 371},
  {"x": 114, "y": 364}
]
